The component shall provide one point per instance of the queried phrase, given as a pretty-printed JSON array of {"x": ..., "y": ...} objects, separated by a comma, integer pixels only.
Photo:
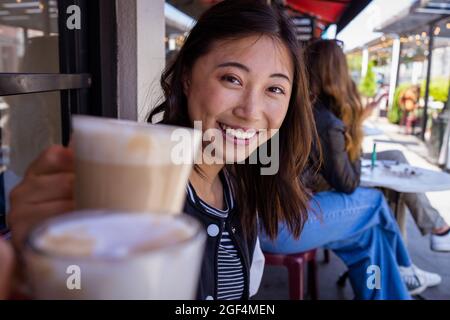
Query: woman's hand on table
[{"x": 45, "y": 191}]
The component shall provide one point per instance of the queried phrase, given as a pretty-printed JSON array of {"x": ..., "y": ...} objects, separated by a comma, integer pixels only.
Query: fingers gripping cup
[
  {"x": 105, "y": 255},
  {"x": 124, "y": 165}
]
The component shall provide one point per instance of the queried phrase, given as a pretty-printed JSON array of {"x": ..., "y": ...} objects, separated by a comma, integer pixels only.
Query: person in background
[
  {"x": 427, "y": 218},
  {"x": 356, "y": 223},
  {"x": 409, "y": 104}
]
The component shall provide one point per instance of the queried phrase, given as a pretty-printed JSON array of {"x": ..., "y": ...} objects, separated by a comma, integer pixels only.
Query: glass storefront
[
  {"x": 38, "y": 89},
  {"x": 29, "y": 36},
  {"x": 29, "y": 122}
]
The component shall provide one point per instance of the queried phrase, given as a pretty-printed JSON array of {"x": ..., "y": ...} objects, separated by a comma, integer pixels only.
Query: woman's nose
[{"x": 250, "y": 107}]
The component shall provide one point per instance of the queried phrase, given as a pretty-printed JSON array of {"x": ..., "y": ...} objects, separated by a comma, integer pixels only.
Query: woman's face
[{"x": 240, "y": 91}]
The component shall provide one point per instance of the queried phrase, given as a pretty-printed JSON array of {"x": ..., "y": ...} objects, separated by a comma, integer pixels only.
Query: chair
[{"x": 296, "y": 263}]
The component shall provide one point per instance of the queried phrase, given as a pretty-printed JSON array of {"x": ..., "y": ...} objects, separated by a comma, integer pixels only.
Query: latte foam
[{"x": 111, "y": 235}]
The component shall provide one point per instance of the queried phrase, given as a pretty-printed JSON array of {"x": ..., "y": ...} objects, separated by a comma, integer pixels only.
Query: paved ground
[{"x": 274, "y": 284}]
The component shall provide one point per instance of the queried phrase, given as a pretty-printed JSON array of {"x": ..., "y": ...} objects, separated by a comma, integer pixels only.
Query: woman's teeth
[{"x": 239, "y": 133}]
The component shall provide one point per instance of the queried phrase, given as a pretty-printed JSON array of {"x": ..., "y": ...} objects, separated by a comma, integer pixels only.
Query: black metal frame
[
  {"x": 431, "y": 26},
  {"x": 353, "y": 9},
  {"x": 96, "y": 52},
  {"x": 20, "y": 83},
  {"x": 102, "y": 64},
  {"x": 73, "y": 48},
  {"x": 428, "y": 80}
]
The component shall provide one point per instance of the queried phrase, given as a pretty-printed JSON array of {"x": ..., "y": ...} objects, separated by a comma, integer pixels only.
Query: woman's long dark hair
[
  {"x": 275, "y": 198},
  {"x": 329, "y": 77}
]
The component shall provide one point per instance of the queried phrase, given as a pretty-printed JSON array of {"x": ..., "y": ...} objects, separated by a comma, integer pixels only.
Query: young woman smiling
[{"x": 238, "y": 74}]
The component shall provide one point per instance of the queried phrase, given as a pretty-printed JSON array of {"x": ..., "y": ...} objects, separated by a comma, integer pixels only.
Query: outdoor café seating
[
  {"x": 55, "y": 67},
  {"x": 302, "y": 273}
]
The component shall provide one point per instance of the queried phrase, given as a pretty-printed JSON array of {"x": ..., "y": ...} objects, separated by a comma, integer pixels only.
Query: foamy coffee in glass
[
  {"x": 102, "y": 255},
  {"x": 123, "y": 165}
]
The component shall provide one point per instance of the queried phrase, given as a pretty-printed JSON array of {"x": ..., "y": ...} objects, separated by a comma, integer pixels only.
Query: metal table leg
[{"x": 400, "y": 213}]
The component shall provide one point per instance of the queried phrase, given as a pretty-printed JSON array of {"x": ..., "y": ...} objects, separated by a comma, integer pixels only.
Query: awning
[
  {"x": 419, "y": 15},
  {"x": 327, "y": 12},
  {"x": 177, "y": 21},
  {"x": 339, "y": 12}
]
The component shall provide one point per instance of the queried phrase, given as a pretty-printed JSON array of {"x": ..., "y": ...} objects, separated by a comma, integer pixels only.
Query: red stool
[{"x": 296, "y": 263}]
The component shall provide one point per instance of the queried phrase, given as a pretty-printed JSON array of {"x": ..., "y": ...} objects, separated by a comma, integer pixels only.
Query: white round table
[
  {"x": 383, "y": 176},
  {"x": 423, "y": 180}
]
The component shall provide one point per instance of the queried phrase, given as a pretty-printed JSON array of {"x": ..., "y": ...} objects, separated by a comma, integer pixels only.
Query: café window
[{"x": 50, "y": 55}]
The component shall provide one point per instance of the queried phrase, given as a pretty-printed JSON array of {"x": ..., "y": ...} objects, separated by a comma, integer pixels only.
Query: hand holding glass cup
[{"x": 128, "y": 238}]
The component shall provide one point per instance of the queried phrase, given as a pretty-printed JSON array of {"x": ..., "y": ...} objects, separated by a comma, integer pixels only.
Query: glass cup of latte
[
  {"x": 124, "y": 165},
  {"x": 103, "y": 255}
]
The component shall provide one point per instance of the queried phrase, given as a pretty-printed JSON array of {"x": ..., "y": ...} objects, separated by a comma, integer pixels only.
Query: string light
[{"x": 437, "y": 31}]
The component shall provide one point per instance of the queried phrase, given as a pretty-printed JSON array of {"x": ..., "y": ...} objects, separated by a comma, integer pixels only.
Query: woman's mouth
[{"x": 238, "y": 135}]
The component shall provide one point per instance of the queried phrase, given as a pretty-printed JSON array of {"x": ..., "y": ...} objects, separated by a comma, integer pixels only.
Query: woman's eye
[
  {"x": 231, "y": 79},
  {"x": 276, "y": 90}
]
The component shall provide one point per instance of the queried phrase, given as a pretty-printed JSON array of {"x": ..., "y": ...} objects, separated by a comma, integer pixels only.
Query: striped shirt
[{"x": 230, "y": 272}]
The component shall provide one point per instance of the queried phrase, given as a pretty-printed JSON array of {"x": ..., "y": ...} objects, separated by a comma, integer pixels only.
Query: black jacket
[
  {"x": 245, "y": 245},
  {"x": 337, "y": 170}
]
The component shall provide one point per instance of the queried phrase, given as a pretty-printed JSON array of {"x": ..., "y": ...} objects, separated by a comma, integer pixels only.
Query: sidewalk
[{"x": 275, "y": 285}]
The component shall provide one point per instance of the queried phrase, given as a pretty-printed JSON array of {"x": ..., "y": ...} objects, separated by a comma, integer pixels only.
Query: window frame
[{"x": 87, "y": 80}]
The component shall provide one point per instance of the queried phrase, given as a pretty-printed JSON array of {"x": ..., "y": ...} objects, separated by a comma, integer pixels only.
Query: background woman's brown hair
[
  {"x": 280, "y": 197},
  {"x": 329, "y": 77}
]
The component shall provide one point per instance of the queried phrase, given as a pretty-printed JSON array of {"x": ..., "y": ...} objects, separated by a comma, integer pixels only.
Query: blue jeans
[{"x": 361, "y": 230}]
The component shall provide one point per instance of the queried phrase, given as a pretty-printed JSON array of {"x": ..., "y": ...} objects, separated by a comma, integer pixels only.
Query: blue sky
[{"x": 360, "y": 30}]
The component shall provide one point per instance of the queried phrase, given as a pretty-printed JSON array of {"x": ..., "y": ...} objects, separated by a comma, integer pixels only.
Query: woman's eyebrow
[
  {"x": 246, "y": 69},
  {"x": 234, "y": 64},
  {"x": 280, "y": 75}
]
